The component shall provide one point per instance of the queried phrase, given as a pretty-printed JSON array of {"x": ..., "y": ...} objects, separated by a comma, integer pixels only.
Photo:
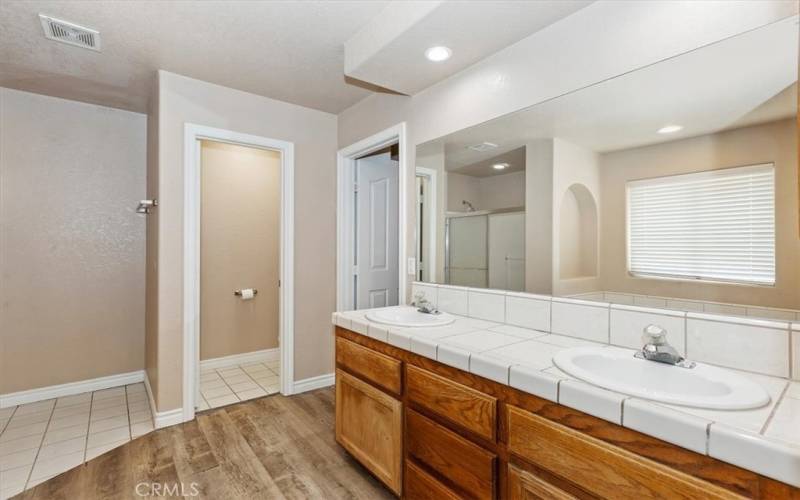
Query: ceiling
[
  {"x": 294, "y": 51},
  {"x": 389, "y": 50},
  {"x": 515, "y": 159},
  {"x": 291, "y": 51},
  {"x": 744, "y": 80}
]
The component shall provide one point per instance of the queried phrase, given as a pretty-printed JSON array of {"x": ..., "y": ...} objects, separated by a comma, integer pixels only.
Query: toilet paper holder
[{"x": 238, "y": 293}]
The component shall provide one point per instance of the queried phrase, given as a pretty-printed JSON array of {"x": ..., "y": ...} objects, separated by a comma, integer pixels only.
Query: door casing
[{"x": 345, "y": 216}]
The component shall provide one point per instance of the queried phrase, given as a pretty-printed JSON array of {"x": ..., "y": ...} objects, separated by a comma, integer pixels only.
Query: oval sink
[
  {"x": 408, "y": 316},
  {"x": 703, "y": 386}
]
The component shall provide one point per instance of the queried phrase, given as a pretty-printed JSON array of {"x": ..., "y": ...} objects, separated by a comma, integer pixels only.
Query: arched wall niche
[{"x": 578, "y": 233}]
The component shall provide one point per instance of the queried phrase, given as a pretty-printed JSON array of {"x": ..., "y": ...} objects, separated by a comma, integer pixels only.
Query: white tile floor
[
  {"x": 41, "y": 440},
  {"x": 224, "y": 386}
]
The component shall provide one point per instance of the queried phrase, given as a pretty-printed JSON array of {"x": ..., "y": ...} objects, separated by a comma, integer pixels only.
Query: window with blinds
[{"x": 717, "y": 225}]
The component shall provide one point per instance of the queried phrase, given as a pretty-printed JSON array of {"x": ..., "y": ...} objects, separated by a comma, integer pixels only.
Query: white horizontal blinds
[{"x": 717, "y": 225}]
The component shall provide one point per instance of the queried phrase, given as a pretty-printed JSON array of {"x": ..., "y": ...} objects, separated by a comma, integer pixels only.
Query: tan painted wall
[
  {"x": 185, "y": 100},
  {"x": 72, "y": 249},
  {"x": 485, "y": 193},
  {"x": 240, "y": 210},
  {"x": 774, "y": 142},
  {"x": 151, "y": 260}
]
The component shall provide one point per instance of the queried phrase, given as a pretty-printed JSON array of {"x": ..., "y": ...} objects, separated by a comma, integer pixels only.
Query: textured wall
[
  {"x": 72, "y": 248},
  {"x": 185, "y": 100}
]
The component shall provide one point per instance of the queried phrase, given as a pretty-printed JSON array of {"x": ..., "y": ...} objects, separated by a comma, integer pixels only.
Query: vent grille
[
  {"x": 69, "y": 33},
  {"x": 484, "y": 146}
]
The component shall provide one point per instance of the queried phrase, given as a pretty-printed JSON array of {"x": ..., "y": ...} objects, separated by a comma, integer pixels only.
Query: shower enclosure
[{"x": 486, "y": 249}]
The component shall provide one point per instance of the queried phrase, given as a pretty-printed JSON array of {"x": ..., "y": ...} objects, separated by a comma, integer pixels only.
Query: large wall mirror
[{"x": 675, "y": 185}]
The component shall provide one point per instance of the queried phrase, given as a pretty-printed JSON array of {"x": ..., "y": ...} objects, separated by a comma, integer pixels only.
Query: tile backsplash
[
  {"x": 736, "y": 341},
  {"x": 689, "y": 305}
]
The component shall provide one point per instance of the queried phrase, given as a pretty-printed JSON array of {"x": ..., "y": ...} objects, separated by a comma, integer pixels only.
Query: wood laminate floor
[{"x": 273, "y": 447}]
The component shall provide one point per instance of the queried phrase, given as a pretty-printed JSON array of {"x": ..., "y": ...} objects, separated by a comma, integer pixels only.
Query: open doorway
[
  {"x": 238, "y": 268},
  {"x": 371, "y": 222},
  {"x": 239, "y": 273}
]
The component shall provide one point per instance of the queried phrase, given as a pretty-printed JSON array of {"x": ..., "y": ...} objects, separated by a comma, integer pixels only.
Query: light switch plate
[{"x": 412, "y": 265}]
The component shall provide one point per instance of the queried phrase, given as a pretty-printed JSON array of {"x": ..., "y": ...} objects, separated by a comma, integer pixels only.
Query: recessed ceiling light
[
  {"x": 500, "y": 166},
  {"x": 438, "y": 54},
  {"x": 669, "y": 129}
]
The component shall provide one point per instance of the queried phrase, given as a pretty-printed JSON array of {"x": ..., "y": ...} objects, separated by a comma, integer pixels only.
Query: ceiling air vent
[
  {"x": 484, "y": 146},
  {"x": 63, "y": 31}
]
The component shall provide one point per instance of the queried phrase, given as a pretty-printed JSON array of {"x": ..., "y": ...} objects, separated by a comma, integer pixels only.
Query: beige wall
[
  {"x": 151, "y": 260},
  {"x": 71, "y": 247},
  {"x": 539, "y": 216},
  {"x": 240, "y": 208},
  {"x": 185, "y": 100},
  {"x": 462, "y": 187},
  {"x": 773, "y": 142},
  {"x": 575, "y": 166}
]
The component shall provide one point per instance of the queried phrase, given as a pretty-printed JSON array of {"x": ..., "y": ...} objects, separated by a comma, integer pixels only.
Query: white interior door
[{"x": 377, "y": 271}]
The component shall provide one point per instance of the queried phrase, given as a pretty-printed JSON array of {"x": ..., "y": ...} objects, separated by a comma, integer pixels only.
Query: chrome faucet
[
  {"x": 423, "y": 305},
  {"x": 656, "y": 348}
]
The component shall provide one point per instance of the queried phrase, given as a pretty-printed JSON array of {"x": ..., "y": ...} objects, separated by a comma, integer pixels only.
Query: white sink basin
[
  {"x": 408, "y": 316},
  {"x": 703, "y": 386}
]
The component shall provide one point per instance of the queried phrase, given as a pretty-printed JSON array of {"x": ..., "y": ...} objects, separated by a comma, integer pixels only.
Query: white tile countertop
[{"x": 765, "y": 440}]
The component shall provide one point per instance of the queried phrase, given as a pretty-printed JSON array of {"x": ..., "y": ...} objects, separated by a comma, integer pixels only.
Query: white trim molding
[
  {"x": 191, "y": 255},
  {"x": 241, "y": 359},
  {"x": 70, "y": 388},
  {"x": 345, "y": 165},
  {"x": 164, "y": 418},
  {"x": 311, "y": 383},
  {"x": 433, "y": 230}
]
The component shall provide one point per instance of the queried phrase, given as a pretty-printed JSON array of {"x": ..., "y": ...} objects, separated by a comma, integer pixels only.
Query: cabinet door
[
  {"x": 369, "y": 425},
  {"x": 523, "y": 485}
]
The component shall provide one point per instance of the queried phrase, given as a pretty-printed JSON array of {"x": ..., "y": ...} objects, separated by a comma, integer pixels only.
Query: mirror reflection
[{"x": 672, "y": 186}]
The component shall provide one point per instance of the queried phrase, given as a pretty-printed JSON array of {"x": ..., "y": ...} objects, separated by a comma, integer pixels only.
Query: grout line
[
  {"x": 255, "y": 381},
  {"x": 39, "y": 449},
  {"x": 13, "y": 412},
  {"x": 128, "y": 408},
  {"x": 226, "y": 385},
  {"x": 774, "y": 409}
]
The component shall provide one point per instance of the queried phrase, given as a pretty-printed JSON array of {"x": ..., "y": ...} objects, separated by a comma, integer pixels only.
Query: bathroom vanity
[{"x": 427, "y": 429}]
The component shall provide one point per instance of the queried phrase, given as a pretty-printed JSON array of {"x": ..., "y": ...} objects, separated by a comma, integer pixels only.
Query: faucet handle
[{"x": 654, "y": 335}]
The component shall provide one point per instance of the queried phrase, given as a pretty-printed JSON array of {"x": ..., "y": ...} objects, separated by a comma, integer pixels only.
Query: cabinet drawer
[
  {"x": 462, "y": 405},
  {"x": 419, "y": 485},
  {"x": 462, "y": 463},
  {"x": 523, "y": 485},
  {"x": 378, "y": 368},
  {"x": 369, "y": 424},
  {"x": 598, "y": 467}
]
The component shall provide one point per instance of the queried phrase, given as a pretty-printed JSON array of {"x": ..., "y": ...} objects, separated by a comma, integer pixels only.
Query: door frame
[
  {"x": 191, "y": 254},
  {"x": 345, "y": 213},
  {"x": 431, "y": 208}
]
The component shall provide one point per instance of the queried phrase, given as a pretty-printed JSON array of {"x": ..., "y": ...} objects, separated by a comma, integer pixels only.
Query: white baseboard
[
  {"x": 167, "y": 418},
  {"x": 164, "y": 418},
  {"x": 318, "y": 382},
  {"x": 240, "y": 359},
  {"x": 69, "y": 389}
]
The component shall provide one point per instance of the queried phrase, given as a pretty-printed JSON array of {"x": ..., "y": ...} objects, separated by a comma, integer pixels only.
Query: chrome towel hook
[{"x": 145, "y": 206}]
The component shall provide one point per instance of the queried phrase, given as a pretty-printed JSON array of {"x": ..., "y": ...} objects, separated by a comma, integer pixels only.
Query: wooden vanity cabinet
[{"x": 431, "y": 431}]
